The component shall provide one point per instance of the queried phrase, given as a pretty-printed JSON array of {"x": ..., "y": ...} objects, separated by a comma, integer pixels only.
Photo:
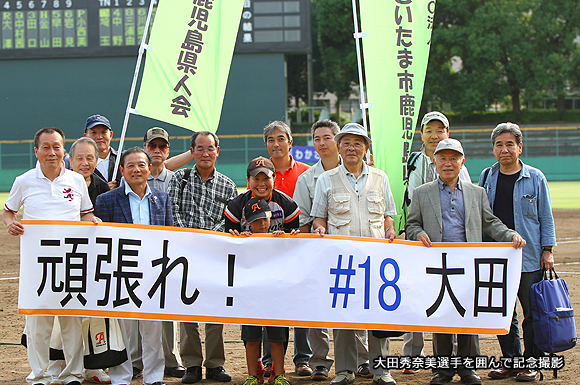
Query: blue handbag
[{"x": 554, "y": 326}]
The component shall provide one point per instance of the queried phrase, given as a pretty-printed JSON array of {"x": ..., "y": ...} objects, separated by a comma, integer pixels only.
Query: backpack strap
[
  {"x": 487, "y": 170},
  {"x": 186, "y": 175}
]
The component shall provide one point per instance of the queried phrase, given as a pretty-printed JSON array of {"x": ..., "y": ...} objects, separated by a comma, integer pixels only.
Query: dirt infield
[{"x": 15, "y": 366}]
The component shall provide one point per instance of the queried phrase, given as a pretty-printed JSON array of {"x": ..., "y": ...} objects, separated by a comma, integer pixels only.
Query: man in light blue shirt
[
  {"x": 519, "y": 196},
  {"x": 137, "y": 203}
]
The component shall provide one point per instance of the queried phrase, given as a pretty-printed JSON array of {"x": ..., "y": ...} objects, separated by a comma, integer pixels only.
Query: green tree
[
  {"x": 489, "y": 41},
  {"x": 508, "y": 50},
  {"x": 337, "y": 47},
  {"x": 554, "y": 27}
]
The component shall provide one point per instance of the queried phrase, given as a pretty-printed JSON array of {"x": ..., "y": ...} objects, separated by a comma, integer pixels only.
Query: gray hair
[
  {"x": 277, "y": 124},
  {"x": 84, "y": 139},
  {"x": 334, "y": 127},
  {"x": 508, "y": 127}
]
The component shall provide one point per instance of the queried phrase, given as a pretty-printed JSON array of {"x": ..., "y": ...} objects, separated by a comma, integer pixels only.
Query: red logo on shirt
[{"x": 68, "y": 194}]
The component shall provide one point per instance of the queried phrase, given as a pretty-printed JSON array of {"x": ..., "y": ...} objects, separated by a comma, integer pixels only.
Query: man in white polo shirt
[{"x": 50, "y": 192}]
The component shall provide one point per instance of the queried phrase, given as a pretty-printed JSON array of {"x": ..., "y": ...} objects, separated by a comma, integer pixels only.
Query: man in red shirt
[{"x": 278, "y": 139}]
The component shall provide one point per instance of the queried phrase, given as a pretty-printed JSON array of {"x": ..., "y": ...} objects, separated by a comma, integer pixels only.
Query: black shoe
[
  {"x": 137, "y": 373},
  {"x": 217, "y": 374},
  {"x": 440, "y": 379},
  {"x": 74, "y": 383},
  {"x": 176, "y": 372},
  {"x": 192, "y": 375},
  {"x": 320, "y": 373},
  {"x": 364, "y": 370},
  {"x": 158, "y": 383}
]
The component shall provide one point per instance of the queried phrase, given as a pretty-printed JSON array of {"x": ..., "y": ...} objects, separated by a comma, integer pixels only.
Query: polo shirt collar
[
  {"x": 40, "y": 174},
  {"x": 292, "y": 163},
  {"x": 162, "y": 175}
]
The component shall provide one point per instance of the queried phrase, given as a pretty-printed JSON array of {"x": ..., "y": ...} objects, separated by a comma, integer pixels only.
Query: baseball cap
[
  {"x": 256, "y": 208},
  {"x": 435, "y": 115},
  {"x": 261, "y": 164},
  {"x": 96, "y": 120},
  {"x": 154, "y": 133},
  {"x": 355, "y": 129},
  {"x": 449, "y": 144}
]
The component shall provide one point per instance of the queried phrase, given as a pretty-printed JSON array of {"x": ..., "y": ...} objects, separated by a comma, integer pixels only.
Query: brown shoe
[
  {"x": 503, "y": 373},
  {"x": 303, "y": 369},
  {"x": 529, "y": 376}
]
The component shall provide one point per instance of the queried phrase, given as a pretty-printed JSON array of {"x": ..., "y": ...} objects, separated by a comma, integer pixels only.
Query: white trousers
[
  {"x": 38, "y": 331},
  {"x": 153, "y": 362}
]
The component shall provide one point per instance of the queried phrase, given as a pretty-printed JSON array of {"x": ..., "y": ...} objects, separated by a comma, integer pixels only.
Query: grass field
[{"x": 565, "y": 195}]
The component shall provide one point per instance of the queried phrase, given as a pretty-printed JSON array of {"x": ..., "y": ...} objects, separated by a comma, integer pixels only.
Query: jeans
[{"x": 510, "y": 343}]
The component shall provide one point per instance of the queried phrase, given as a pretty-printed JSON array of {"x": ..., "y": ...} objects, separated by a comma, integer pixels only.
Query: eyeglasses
[
  {"x": 153, "y": 146},
  {"x": 201, "y": 151}
]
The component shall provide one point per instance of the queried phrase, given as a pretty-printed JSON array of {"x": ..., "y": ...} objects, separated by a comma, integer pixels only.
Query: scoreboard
[{"x": 96, "y": 28}]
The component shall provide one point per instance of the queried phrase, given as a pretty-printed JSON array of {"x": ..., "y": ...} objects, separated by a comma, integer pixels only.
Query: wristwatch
[{"x": 548, "y": 248}]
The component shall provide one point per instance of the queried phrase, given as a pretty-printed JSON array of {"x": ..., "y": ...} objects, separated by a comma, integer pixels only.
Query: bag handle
[{"x": 551, "y": 270}]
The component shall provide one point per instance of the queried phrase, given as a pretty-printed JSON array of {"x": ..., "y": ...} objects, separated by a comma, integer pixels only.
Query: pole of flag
[
  {"x": 362, "y": 99},
  {"x": 128, "y": 110}
]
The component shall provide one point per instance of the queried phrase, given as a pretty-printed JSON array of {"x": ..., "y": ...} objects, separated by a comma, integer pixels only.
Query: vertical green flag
[
  {"x": 187, "y": 65},
  {"x": 395, "y": 51}
]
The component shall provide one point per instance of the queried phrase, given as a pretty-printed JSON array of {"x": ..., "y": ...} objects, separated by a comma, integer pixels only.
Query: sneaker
[
  {"x": 280, "y": 380},
  {"x": 272, "y": 373},
  {"x": 192, "y": 375},
  {"x": 411, "y": 371},
  {"x": 268, "y": 369},
  {"x": 364, "y": 370},
  {"x": 96, "y": 376},
  {"x": 343, "y": 378},
  {"x": 217, "y": 374},
  {"x": 385, "y": 379},
  {"x": 320, "y": 373},
  {"x": 252, "y": 380},
  {"x": 176, "y": 371},
  {"x": 260, "y": 371},
  {"x": 137, "y": 373}
]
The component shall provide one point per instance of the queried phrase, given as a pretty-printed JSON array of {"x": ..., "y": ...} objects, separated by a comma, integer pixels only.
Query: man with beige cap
[{"x": 365, "y": 209}]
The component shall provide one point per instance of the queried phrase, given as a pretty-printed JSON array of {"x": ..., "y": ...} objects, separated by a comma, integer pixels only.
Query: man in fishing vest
[{"x": 354, "y": 199}]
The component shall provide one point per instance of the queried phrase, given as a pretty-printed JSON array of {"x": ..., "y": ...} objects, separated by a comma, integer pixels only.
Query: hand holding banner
[{"x": 173, "y": 273}]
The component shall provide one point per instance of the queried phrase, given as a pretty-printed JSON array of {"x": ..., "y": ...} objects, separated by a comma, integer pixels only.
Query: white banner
[{"x": 172, "y": 273}]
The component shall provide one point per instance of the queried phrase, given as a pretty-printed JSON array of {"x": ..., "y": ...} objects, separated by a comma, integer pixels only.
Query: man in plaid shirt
[{"x": 199, "y": 197}]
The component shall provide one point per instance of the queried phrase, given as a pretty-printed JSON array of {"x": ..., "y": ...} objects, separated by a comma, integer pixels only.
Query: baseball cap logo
[
  {"x": 255, "y": 207},
  {"x": 260, "y": 162}
]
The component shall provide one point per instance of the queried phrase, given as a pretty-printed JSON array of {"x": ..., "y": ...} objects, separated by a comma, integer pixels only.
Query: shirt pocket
[
  {"x": 530, "y": 206},
  {"x": 376, "y": 204},
  {"x": 338, "y": 222},
  {"x": 215, "y": 208},
  {"x": 340, "y": 203}
]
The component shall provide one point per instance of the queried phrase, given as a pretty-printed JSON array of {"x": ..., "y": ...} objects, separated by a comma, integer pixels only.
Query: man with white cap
[
  {"x": 434, "y": 128},
  {"x": 365, "y": 209},
  {"x": 439, "y": 213}
]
